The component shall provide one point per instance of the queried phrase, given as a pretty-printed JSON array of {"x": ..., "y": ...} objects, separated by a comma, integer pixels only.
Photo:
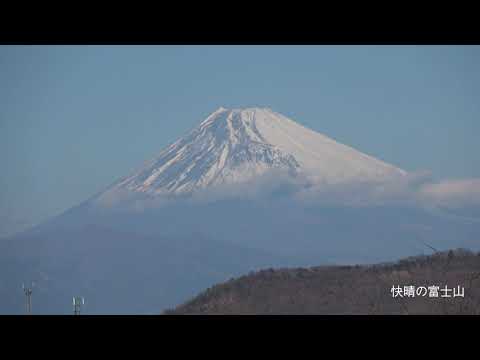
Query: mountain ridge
[{"x": 347, "y": 289}]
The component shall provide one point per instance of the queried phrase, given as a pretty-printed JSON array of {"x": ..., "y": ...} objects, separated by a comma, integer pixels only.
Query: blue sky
[{"x": 73, "y": 119}]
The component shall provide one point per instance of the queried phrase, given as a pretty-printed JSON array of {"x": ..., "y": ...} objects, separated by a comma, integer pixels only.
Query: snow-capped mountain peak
[{"x": 236, "y": 145}]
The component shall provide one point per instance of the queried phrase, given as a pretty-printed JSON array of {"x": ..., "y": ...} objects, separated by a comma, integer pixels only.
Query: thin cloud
[
  {"x": 414, "y": 189},
  {"x": 401, "y": 190},
  {"x": 456, "y": 192}
]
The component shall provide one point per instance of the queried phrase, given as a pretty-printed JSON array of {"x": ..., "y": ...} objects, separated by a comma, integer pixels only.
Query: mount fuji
[
  {"x": 239, "y": 145},
  {"x": 225, "y": 199}
]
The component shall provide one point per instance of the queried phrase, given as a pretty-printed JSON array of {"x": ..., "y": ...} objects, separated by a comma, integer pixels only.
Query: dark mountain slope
[{"x": 347, "y": 289}]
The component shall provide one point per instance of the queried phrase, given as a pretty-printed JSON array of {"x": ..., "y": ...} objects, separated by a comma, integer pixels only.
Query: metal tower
[
  {"x": 77, "y": 301},
  {"x": 28, "y": 297}
]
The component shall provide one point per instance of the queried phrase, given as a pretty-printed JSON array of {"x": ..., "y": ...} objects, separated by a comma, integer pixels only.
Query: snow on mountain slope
[{"x": 234, "y": 146}]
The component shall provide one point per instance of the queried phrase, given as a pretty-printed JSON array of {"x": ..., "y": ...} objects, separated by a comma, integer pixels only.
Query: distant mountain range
[{"x": 246, "y": 189}]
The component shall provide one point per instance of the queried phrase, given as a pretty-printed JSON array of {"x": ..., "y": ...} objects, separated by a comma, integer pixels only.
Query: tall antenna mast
[
  {"x": 78, "y": 301},
  {"x": 28, "y": 297}
]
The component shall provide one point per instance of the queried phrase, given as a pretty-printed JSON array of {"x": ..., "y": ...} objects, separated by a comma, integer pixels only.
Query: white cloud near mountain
[
  {"x": 417, "y": 189},
  {"x": 455, "y": 192},
  {"x": 258, "y": 153}
]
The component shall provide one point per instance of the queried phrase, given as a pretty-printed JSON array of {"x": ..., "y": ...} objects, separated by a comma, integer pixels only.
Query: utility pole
[
  {"x": 28, "y": 297},
  {"x": 78, "y": 301}
]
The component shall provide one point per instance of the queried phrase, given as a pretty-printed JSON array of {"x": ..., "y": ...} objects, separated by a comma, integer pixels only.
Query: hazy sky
[{"x": 73, "y": 119}]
